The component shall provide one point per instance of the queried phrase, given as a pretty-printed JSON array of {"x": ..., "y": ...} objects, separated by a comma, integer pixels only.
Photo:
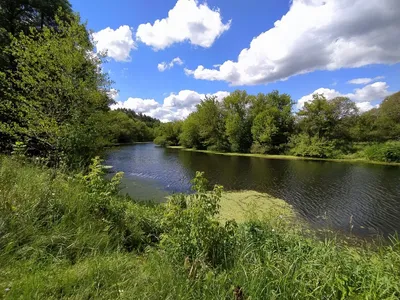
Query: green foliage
[
  {"x": 238, "y": 121},
  {"x": 123, "y": 128},
  {"x": 325, "y": 127},
  {"x": 211, "y": 124},
  {"x": 314, "y": 147},
  {"x": 265, "y": 124},
  {"x": 387, "y": 152},
  {"x": 149, "y": 121},
  {"x": 47, "y": 215},
  {"x": 204, "y": 239},
  {"x": 273, "y": 122},
  {"x": 388, "y": 121},
  {"x": 73, "y": 237},
  {"x": 366, "y": 128},
  {"x": 190, "y": 136},
  {"x": 167, "y": 134},
  {"x": 55, "y": 87}
]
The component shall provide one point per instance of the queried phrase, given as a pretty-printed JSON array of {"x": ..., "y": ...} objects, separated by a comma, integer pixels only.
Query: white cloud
[
  {"x": 316, "y": 35},
  {"x": 365, "y": 106},
  {"x": 118, "y": 43},
  {"x": 113, "y": 94},
  {"x": 364, "y": 80},
  {"x": 187, "y": 21},
  {"x": 164, "y": 66},
  {"x": 137, "y": 104},
  {"x": 174, "y": 107},
  {"x": 360, "y": 81},
  {"x": 362, "y": 96}
]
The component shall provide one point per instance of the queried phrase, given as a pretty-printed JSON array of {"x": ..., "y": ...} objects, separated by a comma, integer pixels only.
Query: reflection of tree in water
[{"x": 323, "y": 192}]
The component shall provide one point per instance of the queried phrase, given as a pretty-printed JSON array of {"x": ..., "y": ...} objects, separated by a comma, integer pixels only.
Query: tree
[
  {"x": 190, "y": 136},
  {"x": 167, "y": 134},
  {"x": 18, "y": 16},
  {"x": 366, "y": 128},
  {"x": 325, "y": 126},
  {"x": 56, "y": 85},
  {"x": 149, "y": 121},
  {"x": 211, "y": 124},
  {"x": 388, "y": 121},
  {"x": 345, "y": 116},
  {"x": 316, "y": 117},
  {"x": 272, "y": 122},
  {"x": 237, "y": 121}
]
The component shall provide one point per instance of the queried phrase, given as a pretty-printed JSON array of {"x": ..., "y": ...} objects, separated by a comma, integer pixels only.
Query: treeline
[
  {"x": 265, "y": 123},
  {"x": 54, "y": 97}
]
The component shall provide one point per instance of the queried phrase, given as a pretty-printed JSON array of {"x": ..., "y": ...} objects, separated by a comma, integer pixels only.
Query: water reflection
[{"x": 323, "y": 192}]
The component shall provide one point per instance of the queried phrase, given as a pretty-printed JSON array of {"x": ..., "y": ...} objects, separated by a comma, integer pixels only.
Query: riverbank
[
  {"x": 291, "y": 157},
  {"x": 72, "y": 236}
]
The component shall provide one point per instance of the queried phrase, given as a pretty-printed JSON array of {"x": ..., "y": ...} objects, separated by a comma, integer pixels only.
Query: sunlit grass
[{"x": 53, "y": 245}]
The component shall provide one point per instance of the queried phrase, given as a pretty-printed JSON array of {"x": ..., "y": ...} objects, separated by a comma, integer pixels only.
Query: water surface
[{"x": 324, "y": 193}]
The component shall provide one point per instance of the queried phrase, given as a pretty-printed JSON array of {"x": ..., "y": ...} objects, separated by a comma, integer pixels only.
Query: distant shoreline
[{"x": 291, "y": 157}]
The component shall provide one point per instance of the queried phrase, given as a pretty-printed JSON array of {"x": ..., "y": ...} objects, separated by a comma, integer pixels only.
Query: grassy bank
[
  {"x": 72, "y": 236},
  {"x": 349, "y": 159}
]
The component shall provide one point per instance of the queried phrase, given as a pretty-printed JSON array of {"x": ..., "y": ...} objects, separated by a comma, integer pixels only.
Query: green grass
[
  {"x": 63, "y": 238},
  {"x": 346, "y": 159}
]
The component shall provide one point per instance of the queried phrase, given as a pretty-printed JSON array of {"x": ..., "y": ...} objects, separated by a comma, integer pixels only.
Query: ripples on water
[{"x": 322, "y": 192}]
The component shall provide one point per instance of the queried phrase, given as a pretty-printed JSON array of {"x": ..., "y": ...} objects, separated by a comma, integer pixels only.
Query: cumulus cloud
[
  {"x": 187, "y": 21},
  {"x": 137, "y": 104},
  {"x": 117, "y": 43},
  {"x": 362, "y": 96},
  {"x": 364, "y": 80},
  {"x": 164, "y": 65},
  {"x": 315, "y": 35},
  {"x": 174, "y": 107},
  {"x": 113, "y": 94}
]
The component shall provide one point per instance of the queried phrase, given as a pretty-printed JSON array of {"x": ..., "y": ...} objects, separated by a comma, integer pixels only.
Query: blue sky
[{"x": 297, "y": 47}]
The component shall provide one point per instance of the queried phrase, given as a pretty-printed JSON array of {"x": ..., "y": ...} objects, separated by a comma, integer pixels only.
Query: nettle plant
[{"x": 191, "y": 228}]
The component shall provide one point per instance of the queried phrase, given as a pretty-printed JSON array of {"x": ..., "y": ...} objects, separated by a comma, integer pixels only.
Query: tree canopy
[{"x": 266, "y": 123}]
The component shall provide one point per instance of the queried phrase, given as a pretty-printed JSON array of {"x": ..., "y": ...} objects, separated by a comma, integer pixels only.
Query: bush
[
  {"x": 306, "y": 146},
  {"x": 387, "y": 152},
  {"x": 192, "y": 230}
]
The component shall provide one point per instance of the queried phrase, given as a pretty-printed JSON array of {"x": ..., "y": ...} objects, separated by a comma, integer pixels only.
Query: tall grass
[
  {"x": 386, "y": 152},
  {"x": 73, "y": 237}
]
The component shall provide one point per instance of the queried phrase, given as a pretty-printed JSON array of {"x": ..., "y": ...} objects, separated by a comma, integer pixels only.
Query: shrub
[
  {"x": 314, "y": 147},
  {"x": 191, "y": 227},
  {"x": 387, "y": 152}
]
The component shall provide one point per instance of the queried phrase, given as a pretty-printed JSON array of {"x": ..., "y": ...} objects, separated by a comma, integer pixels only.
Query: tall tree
[
  {"x": 211, "y": 124},
  {"x": 18, "y": 16},
  {"x": 238, "y": 121},
  {"x": 388, "y": 121},
  {"x": 190, "y": 136},
  {"x": 56, "y": 85},
  {"x": 325, "y": 126},
  {"x": 272, "y": 122}
]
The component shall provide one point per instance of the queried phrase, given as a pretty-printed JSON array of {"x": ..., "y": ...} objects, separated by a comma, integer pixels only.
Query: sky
[{"x": 165, "y": 56}]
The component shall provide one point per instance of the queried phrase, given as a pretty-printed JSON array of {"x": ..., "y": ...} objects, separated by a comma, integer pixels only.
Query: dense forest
[
  {"x": 54, "y": 96},
  {"x": 266, "y": 124}
]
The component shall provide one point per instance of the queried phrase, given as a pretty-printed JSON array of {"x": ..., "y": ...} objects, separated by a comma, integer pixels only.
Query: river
[{"x": 357, "y": 197}]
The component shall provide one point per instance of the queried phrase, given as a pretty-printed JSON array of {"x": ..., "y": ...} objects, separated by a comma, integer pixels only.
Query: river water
[{"x": 357, "y": 197}]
